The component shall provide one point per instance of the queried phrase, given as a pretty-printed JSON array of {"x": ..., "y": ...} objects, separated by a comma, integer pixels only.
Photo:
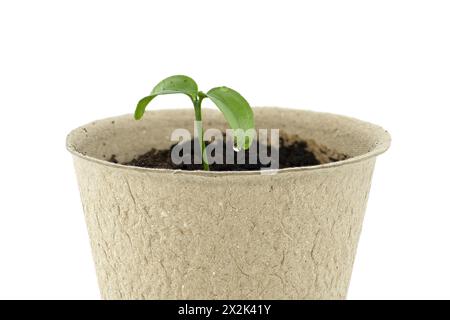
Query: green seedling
[{"x": 234, "y": 107}]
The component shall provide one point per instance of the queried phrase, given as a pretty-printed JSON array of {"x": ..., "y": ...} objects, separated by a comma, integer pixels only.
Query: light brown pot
[{"x": 166, "y": 234}]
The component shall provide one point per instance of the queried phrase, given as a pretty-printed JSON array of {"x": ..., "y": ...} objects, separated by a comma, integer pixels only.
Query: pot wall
[{"x": 165, "y": 234}]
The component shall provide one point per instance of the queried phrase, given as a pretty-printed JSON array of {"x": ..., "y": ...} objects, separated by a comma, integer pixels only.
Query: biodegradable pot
[{"x": 170, "y": 234}]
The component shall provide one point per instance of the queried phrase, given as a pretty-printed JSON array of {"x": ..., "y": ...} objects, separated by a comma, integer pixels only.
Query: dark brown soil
[{"x": 298, "y": 153}]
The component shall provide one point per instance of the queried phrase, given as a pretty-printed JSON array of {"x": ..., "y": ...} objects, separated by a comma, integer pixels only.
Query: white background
[{"x": 65, "y": 63}]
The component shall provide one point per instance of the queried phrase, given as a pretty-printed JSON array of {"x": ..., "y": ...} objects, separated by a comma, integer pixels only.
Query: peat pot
[{"x": 171, "y": 234}]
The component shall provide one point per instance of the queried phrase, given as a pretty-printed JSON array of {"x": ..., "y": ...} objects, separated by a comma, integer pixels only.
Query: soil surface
[{"x": 292, "y": 153}]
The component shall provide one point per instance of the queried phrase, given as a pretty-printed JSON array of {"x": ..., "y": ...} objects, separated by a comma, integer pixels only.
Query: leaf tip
[{"x": 137, "y": 116}]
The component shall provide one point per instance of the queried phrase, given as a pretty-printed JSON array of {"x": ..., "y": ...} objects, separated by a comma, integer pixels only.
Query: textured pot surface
[{"x": 167, "y": 234}]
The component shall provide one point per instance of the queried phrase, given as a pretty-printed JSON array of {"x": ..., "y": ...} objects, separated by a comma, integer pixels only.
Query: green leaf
[
  {"x": 170, "y": 85},
  {"x": 140, "y": 108},
  {"x": 236, "y": 110}
]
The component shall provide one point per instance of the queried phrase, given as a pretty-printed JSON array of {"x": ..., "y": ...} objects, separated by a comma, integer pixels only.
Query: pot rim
[{"x": 381, "y": 147}]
